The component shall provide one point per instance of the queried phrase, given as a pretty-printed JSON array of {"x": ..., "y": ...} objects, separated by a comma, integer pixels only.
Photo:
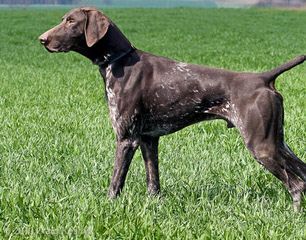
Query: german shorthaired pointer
[{"x": 150, "y": 96}]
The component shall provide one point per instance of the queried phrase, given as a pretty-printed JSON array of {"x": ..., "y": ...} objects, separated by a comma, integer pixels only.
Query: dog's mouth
[{"x": 56, "y": 49}]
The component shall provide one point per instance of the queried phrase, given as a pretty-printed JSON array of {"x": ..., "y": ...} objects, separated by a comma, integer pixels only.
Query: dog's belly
[{"x": 163, "y": 124}]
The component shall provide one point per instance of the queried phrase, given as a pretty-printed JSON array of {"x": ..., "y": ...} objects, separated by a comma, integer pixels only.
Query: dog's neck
[{"x": 113, "y": 46}]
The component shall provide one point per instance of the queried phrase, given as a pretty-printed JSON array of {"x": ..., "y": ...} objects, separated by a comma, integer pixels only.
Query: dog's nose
[{"x": 43, "y": 39}]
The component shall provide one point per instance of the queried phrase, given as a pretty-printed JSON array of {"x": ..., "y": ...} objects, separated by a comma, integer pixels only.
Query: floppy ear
[{"x": 96, "y": 26}]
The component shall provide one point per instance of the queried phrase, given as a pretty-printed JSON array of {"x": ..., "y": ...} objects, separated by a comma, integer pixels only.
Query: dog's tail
[{"x": 271, "y": 75}]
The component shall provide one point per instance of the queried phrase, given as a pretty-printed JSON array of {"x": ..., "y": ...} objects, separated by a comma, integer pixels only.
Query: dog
[{"x": 150, "y": 96}]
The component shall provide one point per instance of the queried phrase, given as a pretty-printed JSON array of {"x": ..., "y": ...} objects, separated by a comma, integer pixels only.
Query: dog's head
[{"x": 86, "y": 25}]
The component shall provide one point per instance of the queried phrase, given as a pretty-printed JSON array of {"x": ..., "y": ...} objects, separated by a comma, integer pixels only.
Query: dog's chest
[
  {"x": 111, "y": 99},
  {"x": 122, "y": 120}
]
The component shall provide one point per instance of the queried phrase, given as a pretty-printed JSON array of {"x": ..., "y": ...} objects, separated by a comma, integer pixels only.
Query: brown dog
[{"x": 150, "y": 96}]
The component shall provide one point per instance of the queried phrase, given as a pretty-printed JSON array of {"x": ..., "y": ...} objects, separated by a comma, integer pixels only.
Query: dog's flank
[{"x": 149, "y": 96}]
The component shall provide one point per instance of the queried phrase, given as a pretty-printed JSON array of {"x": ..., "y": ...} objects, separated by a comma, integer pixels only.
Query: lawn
[{"x": 57, "y": 143}]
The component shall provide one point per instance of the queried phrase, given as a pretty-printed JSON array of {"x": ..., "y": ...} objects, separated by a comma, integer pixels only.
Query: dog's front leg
[
  {"x": 125, "y": 150},
  {"x": 149, "y": 149}
]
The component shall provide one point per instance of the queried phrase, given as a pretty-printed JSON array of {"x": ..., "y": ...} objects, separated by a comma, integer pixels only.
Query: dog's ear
[{"x": 96, "y": 26}]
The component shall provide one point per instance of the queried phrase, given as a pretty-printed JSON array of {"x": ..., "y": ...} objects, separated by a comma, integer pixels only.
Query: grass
[{"x": 57, "y": 144}]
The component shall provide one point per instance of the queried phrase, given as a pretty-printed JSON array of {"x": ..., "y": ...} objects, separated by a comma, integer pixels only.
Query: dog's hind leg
[
  {"x": 297, "y": 168},
  {"x": 149, "y": 149},
  {"x": 294, "y": 163},
  {"x": 284, "y": 168},
  {"x": 261, "y": 126}
]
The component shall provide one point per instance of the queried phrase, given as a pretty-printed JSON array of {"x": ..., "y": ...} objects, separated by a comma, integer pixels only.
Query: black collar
[{"x": 109, "y": 59}]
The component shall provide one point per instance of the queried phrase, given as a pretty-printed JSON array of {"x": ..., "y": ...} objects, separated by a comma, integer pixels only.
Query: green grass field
[{"x": 57, "y": 143}]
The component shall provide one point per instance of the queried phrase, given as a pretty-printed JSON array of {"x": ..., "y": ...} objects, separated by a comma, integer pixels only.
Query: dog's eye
[{"x": 69, "y": 20}]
